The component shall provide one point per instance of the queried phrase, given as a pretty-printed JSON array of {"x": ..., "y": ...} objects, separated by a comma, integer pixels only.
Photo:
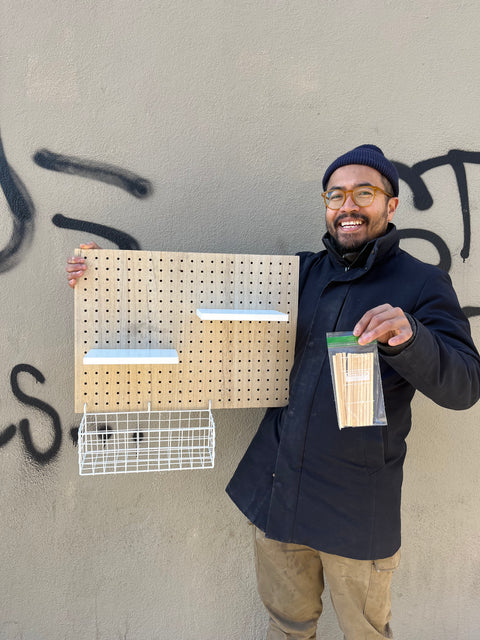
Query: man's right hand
[{"x": 76, "y": 266}]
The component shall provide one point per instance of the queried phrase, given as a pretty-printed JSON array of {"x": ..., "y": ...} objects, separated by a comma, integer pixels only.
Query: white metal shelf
[
  {"x": 262, "y": 315},
  {"x": 131, "y": 356}
]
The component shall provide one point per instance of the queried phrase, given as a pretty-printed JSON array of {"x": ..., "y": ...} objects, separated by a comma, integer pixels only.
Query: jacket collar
[{"x": 374, "y": 251}]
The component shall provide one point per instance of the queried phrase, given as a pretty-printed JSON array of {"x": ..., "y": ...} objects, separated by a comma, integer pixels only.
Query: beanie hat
[{"x": 369, "y": 155}]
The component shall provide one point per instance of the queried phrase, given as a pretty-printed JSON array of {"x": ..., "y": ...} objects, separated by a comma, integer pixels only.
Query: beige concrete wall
[{"x": 230, "y": 111}]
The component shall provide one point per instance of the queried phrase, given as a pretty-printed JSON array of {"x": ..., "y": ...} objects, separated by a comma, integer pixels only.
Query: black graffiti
[
  {"x": 23, "y": 211},
  {"x": 120, "y": 238},
  {"x": 444, "y": 255},
  {"x": 134, "y": 184},
  {"x": 422, "y": 199},
  {"x": 7, "y": 434},
  {"x": 110, "y": 174},
  {"x": 41, "y": 457},
  {"x": 23, "y": 216}
]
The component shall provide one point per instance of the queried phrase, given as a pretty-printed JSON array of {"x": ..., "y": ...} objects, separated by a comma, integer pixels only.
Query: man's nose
[{"x": 349, "y": 204}]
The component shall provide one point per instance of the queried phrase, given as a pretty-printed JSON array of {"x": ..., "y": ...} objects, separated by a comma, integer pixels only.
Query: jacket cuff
[{"x": 392, "y": 351}]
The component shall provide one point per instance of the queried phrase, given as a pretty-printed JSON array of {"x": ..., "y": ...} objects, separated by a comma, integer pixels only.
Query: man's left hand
[{"x": 386, "y": 324}]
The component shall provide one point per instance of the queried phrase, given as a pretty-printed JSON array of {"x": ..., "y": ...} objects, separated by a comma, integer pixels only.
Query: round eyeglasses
[{"x": 362, "y": 196}]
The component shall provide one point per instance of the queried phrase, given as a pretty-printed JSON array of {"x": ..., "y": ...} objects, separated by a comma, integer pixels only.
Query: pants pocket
[{"x": 388, "y": 564}]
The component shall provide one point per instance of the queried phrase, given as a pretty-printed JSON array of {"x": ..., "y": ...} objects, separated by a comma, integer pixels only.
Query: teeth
[{"x": 350, "y": 224}]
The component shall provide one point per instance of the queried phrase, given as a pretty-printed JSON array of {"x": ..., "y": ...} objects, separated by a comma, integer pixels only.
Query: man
[{"x": 325, "y": 501}]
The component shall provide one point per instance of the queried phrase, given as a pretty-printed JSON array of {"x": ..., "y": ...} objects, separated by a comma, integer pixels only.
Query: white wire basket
[{"x": 133, "y": 442}]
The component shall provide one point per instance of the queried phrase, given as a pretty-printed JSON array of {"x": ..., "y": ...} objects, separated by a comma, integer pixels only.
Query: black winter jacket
[{"x": 303, "y": 479}]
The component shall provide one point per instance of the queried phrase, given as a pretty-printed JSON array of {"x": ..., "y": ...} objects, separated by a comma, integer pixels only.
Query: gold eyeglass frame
[{"x": 352, "y": 191}]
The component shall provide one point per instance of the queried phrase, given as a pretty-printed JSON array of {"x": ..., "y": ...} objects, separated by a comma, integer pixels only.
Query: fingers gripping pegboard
[{"x": 149, "y": 300}]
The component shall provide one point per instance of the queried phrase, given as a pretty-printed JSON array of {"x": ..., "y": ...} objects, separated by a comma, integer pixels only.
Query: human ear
[{"x": 392, "y": 207}]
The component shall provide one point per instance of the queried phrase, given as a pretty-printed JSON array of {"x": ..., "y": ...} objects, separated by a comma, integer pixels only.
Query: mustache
[{"x": 350, "y": 216}]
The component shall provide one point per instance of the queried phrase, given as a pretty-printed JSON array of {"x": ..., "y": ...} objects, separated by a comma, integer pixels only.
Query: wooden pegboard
[{"x": 148, "y": 300}]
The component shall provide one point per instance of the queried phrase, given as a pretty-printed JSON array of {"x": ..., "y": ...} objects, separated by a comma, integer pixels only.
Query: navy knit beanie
[{"x": 369, "y": 155}]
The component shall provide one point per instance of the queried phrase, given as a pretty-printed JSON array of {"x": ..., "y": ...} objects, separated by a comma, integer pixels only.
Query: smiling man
[
  {"x": 325, "y": 502},
  {"x": 358, "y": 208}
]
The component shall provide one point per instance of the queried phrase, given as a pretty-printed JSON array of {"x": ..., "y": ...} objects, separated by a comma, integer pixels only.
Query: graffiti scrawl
[
  {"x": 40, "y": 457},
  {"x": 422, "y": 199},
  {"x": 22, "y": 210},
  {"x": 130, "y": 182},
  {"x": 120, "y": 238},
  {"x": 110, "y": 174}
]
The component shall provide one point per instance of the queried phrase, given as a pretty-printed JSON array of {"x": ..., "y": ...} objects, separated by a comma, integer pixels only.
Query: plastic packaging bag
[{"x": 356, "y": 380}]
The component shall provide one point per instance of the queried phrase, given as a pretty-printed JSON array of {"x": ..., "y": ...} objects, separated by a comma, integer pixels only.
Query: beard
[
  {"x": 349, "y": 248},
  {"x": 347, "y": 244}
]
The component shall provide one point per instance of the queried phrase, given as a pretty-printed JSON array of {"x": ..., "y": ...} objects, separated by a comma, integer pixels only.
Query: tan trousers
[{"x": 291, "y": 581}]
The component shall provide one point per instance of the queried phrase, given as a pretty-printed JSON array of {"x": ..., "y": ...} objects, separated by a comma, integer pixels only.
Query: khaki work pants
[{"x": 291, "y": 581}]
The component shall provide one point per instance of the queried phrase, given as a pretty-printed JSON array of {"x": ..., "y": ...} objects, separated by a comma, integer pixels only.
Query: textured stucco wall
[{"x": 229, "y": 110}]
